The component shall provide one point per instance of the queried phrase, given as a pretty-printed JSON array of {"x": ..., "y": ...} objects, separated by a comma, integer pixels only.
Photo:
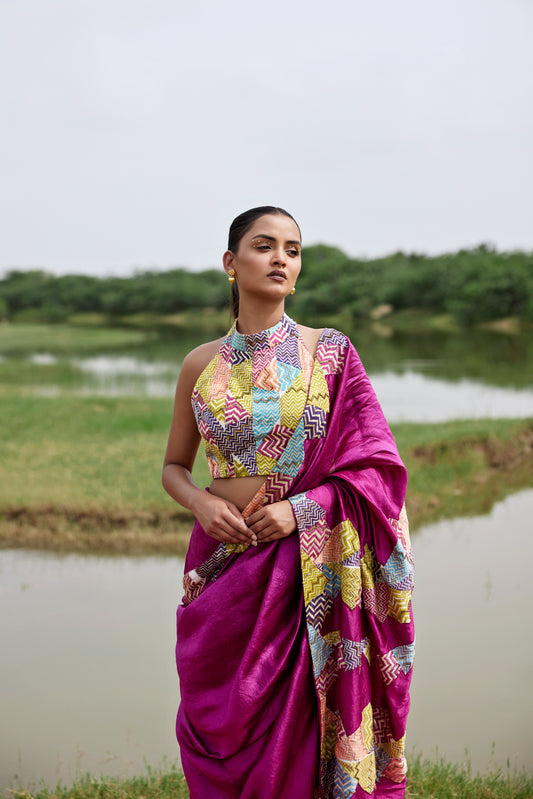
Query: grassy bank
[
  {"x": 426, "y": 780},
  {"x": 66, "y": 339},
  {"x": 82, "y": 474}
]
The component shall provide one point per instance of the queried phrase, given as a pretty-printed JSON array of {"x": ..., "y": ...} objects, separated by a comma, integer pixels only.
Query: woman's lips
[{"x": 278, "y": 276}]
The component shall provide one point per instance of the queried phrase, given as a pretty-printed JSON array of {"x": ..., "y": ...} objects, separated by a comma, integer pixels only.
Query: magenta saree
[{"x": 295, "y": 657}]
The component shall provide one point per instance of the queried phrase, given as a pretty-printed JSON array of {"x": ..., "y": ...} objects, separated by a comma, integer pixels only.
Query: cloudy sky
[{"x": 133, "y": 131}]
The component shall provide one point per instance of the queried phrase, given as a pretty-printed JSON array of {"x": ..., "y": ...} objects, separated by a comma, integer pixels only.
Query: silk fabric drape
[{"x": 305, "y": 645}]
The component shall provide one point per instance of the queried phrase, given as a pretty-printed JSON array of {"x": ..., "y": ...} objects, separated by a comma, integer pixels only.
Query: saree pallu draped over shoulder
[{"x": 295, "y": 657}]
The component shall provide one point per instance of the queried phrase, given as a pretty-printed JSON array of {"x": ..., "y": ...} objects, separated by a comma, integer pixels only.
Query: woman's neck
[{"x": 254, "y": 320}]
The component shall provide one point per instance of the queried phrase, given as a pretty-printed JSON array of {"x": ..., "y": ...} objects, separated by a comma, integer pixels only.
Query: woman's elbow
[{"x": 165, "y": 476}]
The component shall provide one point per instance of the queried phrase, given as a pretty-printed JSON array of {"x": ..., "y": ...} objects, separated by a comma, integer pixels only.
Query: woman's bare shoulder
[
  {"x": 197, "y": 359},
  {"x": 311, "y": 336}
]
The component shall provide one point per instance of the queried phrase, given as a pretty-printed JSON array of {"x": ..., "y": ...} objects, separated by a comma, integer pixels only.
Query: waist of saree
[{"x": 195, "y": 580}]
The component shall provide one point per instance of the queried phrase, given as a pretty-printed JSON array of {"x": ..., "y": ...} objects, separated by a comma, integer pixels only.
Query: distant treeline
[{"x": 474, "y": 285}]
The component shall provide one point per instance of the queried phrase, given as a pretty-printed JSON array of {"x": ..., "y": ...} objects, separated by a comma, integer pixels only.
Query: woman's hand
[
  {"x": 272, "y": 521},
  {"x": 222, "y": 520}
]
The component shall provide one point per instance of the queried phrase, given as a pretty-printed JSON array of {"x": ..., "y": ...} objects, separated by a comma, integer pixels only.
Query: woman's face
[{"x": 268, "y": 259}]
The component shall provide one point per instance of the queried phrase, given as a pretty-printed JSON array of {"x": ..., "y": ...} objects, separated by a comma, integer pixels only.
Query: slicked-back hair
[{"x": 240, "y": 225}]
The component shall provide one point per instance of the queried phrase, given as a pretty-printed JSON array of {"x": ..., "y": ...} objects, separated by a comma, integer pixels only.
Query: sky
[{"x": 133, "y": 131}]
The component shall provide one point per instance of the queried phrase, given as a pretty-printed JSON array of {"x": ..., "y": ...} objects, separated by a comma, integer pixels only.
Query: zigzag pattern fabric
[
  {"x": 333, "y": 569},
  {"x": 357, "y": 596},
  {"x": 258, "y": 401},
  {"x": 331, "y": 454}
]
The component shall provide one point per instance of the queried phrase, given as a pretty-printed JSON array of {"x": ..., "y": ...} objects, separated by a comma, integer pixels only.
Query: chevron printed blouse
[{"x": 257, "y": 402}]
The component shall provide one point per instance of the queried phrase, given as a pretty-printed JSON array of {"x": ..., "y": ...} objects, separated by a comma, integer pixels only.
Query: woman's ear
[{"x": 228, "y": 259}]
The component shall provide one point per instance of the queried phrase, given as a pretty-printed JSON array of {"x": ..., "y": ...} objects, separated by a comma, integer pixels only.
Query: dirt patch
[
  {"x": 498, "y": 454},
  {"x": 124, "y": 532}
]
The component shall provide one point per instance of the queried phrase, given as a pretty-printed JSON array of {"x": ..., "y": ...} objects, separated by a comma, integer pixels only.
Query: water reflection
[
  {"x": 122, "y": 375},
  {"x": 104, "y": 365},
  {"x": 43, "y": 359},
  {"x": 482, "y": 356},
  {"x": 411, "y": 391},
  {"x": 87, "y": 663},
  {"x": 432, "y": 375},
  {"x": 412, "y": 397},
  {"x": 88, "y": 668},
  {"x": 471, "y": 686}
]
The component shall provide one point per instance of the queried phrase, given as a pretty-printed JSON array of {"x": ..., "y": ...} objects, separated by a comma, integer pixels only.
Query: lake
[
  {"x": 433, "y": 376},
  {"x": 410, "y": 396},
  {"x": 88, "y": 677}
]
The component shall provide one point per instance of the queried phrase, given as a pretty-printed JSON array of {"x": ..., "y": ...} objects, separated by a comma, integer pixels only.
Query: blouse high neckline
[{"x": 251, "y": 342}]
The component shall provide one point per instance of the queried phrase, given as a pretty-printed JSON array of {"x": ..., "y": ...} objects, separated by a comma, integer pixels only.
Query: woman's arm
[{"x": 219, "y": 518}]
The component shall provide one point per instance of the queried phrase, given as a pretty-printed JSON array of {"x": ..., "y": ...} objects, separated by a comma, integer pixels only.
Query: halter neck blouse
[
  {"x": 251, "y": 402},
  {"x": 251, "y": 342}
]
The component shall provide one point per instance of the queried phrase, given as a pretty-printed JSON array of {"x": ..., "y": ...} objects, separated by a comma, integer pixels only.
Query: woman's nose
[{"x": 279, "y": 256}]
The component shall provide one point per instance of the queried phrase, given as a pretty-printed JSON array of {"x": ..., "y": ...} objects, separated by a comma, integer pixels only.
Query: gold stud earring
[
  {"x": 231, "y": 276},
  {"x": 293, "y": 290}
]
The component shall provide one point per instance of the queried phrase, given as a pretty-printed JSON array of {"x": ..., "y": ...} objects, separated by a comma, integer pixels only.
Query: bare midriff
[{"x": 238, "y": 490}]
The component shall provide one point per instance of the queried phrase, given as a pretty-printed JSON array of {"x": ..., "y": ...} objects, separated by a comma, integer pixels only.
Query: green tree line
[{"x": 473, "y": 285}]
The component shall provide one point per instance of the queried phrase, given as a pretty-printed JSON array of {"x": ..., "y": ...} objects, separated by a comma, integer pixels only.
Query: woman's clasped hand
[
  {"x": 223, "y": 521},
  {"x": 272, "y": 521}
]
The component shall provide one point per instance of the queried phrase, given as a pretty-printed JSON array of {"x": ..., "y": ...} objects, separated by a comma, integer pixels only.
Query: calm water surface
[
  {"x": 472, "y": 684},
  {"x": 87, "y": 661},
  {"x": 432, "y": 376},
  {"x": 413, "y": 392}
]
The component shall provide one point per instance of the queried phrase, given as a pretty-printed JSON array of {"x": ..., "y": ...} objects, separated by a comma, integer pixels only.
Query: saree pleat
[{"x": 246, "y": 682}]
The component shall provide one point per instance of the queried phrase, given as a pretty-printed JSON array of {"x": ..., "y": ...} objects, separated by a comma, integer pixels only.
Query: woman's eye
[
  {"x": 294, "y": 253},
  {"x": 263, "y": 247}
]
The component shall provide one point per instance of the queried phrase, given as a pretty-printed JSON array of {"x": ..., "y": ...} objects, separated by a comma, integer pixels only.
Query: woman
[{"x": 295, "y": 636}]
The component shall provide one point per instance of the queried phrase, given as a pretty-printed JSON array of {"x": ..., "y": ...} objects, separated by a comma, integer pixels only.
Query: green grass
[
  {"x": 20, "y": 376},
  {"x": 462, "y": 468},
  {"x": 26, "y": 339},
  {"x": 154, "y": 785},
  {"x": 439, "y": 779},
  {"x": 426, "y": 780},
  {"x": 77, "y": 451},
  {"x": 84, "y": 474},
  {"x": 412, "y": 434},
  {"x": 73, "y": 466},
  {"x": 108, "y": 451}
]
